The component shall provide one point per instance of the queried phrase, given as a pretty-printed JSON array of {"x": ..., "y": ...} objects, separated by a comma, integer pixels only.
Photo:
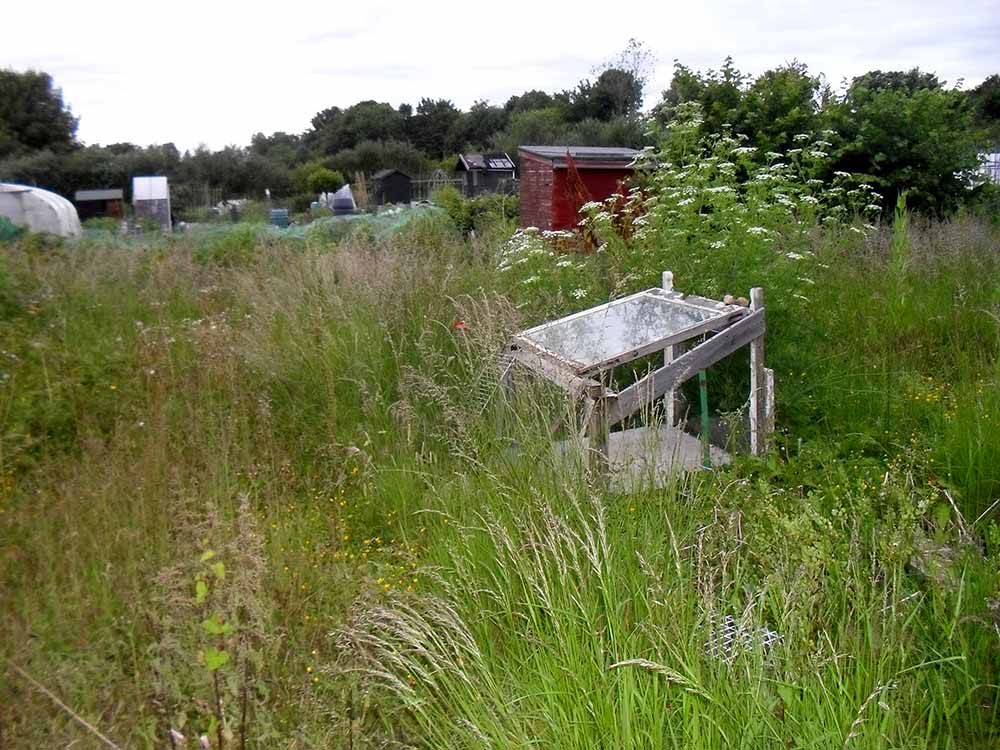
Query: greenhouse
[{"x": 38, "y": 210}]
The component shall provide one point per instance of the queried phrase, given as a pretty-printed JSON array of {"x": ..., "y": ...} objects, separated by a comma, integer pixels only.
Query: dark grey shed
[
  {"x": 486, "y": 173},
  {"x": 392, "y": 186},
  {"x": 91, "y": 204}
]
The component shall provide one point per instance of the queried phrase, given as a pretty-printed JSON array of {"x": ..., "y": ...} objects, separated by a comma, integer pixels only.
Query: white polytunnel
[{"x": 38, "y": 210}]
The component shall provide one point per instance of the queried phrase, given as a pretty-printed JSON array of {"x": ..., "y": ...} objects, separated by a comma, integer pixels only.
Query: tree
[
  {"x": 907, "y": 133},
  {"x": 531, "y": 100},
  {"x": 720, "y": 94},
  {"x": 985, "y": 100},
  {"x": 538, "y": 127},
  {"x": 428, "y": 129},
  {"x": 779, "y": 104},
  {"x": 371, "y": 156},
  {"x": 335, "y": 129},
  {"x": 323, "y": 180},
  {"x": 33, "y": 115},
  {"x": 285, "y": 148},
  {"x": 907, "y": 81},
  {"x": 630, "y": 71},
  {"x": 476, "y": 127},
  {"x": 615, "y": 93}
]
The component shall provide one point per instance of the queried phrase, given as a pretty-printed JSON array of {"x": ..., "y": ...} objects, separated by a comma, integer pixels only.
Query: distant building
[
  {"x": 989, "y": 166},
  {"x": 151, "y": 200},
  {"x": 551, "y": 199},
  {"x": 485, "y": 173},
  {"x": 94, "y": 204},
  {"x": 392, "y": 186}
]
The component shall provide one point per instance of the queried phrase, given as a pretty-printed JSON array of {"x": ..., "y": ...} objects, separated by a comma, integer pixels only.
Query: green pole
[{"x": 705, "y": 446}]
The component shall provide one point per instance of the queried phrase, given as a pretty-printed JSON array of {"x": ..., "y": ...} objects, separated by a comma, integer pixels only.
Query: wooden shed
[
  {"x": 485, "y": 173},
  {"x": 92, "y": 204},
  {"x": 550, "y": 199},
  {"x": 392, "y": 186}
]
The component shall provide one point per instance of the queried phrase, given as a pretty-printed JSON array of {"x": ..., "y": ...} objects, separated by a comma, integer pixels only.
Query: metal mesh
[
  {"x": 728, "y": 639},
  {"x": 488, "y": 381}
]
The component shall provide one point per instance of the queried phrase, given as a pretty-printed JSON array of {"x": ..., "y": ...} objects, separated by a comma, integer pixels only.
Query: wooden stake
[
  {"x": 758, "y": 399},
  {"x": 768, "y": 405},
  {"x": 706, "y": 425},
  {"x": 670, "y": 399},
  {"x": 597, "y": 431}
]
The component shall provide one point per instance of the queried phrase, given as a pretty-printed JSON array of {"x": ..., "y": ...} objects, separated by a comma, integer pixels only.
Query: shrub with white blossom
[{"x": 708, "y": 209}]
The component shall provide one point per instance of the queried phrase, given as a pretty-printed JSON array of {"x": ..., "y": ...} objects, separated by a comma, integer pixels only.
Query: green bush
[
  {"x": 9, "y": 232},
  {"x": 481, "y": 213},
  {"x": 458, "y": 208},
  {"x": 323, "y": 180},
  {"x": 103, "y": 223},
  {"x": 227, "y": 246}
]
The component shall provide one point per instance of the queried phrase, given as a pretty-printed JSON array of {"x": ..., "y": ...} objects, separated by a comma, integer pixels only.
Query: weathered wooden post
[
  {"x": 597, "y": 431},
  {"x": 758, "y": 383},
  {"x": 669, "y": 354}
]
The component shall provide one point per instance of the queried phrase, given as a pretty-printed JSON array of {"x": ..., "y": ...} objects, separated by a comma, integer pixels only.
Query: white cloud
[{"x": 192, "y": 72}]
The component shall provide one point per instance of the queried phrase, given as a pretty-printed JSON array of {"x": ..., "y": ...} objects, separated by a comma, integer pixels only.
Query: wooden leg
[
  {"x": 671, "y": 413},
  {"x": 768, "y": 406},
  {"x": 758, "y": 399},
  {"x": 669, "y": 399},
  {"x": 597, "y": 431}
]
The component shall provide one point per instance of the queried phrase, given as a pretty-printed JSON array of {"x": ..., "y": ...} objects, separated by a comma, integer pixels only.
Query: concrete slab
[{"x": 644, "y": 456}]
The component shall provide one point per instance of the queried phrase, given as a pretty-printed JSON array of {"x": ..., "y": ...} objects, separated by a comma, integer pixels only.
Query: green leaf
[
  {"x": 200, "y": 591},
  {"x": 214, "y": 626},
  {"x": 207, "y": 555},
  {"x": 219, "y": 569},
  {"x": 215, "y": 658}
]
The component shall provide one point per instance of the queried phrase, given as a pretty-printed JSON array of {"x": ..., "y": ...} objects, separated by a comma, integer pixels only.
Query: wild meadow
[{"x": 253, "y": 490}]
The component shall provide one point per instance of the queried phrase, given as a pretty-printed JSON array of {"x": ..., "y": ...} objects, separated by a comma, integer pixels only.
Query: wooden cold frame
[{"x": 724, "y": 329}]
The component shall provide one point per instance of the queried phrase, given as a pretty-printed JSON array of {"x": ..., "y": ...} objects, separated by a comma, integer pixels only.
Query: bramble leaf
[
  {"x": 214, "y": 626},
  {"x": 219, "y": 569},
  {"x": 215, "y": 658}
]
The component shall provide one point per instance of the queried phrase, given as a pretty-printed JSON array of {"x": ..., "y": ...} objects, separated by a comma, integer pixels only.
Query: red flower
[{"x": 459, "y": 325}]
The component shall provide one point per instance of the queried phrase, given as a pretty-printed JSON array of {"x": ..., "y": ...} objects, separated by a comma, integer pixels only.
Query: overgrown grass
[{"x": 397, "y": 574}]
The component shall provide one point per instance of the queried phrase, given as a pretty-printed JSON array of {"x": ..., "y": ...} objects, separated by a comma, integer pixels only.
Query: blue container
[{"x": 279, "y": 217}]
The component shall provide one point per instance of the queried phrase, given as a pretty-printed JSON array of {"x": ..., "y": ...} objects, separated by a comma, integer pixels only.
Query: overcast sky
[{"x": 216, "y": 72}]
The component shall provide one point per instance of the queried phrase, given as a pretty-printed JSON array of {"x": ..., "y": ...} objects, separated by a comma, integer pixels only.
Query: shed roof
[
  {"x": 99, "y": 195},
  {"x": 383, "y": 173},
  {"x": 584, "y": 155},
  {"x": 490, "y": 162}
]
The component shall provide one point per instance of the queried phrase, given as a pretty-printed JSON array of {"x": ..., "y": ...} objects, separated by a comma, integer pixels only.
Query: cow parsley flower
[{"x": 579, "y": 293}]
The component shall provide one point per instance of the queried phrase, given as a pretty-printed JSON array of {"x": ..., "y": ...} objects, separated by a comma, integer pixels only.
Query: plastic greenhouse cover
[{"x": 150, "y": 189}]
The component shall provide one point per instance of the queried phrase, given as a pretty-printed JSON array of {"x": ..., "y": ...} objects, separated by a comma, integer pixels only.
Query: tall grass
[{"x": 397, "y": 573}]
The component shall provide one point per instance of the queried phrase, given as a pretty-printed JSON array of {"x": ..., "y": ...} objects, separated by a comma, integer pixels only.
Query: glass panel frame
[{"x": 623, "y": 330}]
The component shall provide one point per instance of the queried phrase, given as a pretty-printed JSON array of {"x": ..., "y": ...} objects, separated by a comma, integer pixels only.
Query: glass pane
[{"x": 611, "y": 330}]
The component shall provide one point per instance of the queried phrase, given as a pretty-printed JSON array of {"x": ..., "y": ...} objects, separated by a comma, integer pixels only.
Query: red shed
[{"x": 551, "y": 197}]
